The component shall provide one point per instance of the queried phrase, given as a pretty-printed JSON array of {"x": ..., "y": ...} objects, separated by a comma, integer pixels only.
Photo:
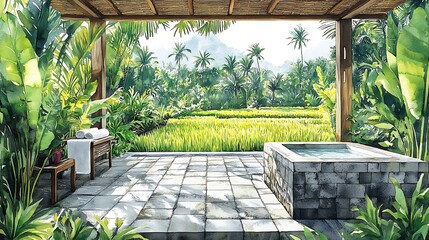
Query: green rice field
[{"x": 245, "y": 131}]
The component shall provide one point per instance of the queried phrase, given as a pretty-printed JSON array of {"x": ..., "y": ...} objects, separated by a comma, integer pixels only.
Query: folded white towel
[
  {"x": 79, "y": 149},
  {"x": 81, "y": 133},
  {"x": 97, "y": 134}
]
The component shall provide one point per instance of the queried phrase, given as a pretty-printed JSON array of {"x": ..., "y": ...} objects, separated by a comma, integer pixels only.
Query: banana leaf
[
  {"x": 412, "y": 59},
  {"x": 20, "y": 76}
]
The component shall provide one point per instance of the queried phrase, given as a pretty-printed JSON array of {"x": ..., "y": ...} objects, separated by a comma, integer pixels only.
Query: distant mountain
[{"x": 218, "y": 50}]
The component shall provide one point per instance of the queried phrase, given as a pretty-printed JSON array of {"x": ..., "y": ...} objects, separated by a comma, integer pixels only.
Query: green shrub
[{"x": 408, "y": 219}]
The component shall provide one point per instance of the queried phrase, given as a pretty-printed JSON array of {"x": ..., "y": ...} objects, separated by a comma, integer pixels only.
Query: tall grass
[
  {"x": 283, "y": 112},
  {"x": 206, "y": 134}
]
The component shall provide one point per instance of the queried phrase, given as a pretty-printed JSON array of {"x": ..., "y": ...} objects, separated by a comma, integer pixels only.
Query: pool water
[{"x": 330, "y": 153}]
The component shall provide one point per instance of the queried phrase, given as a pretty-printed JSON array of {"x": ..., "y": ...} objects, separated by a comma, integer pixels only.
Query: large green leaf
[
  {"x": 20, "y": 75},
  {"x": 412, "y": 59},
  {"x": 391, "y": 42}
]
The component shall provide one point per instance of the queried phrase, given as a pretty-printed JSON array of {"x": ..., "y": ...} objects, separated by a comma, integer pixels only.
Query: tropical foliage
[
  {"x": 408, "y": 219},
  {"x": 394, "y": 95}
]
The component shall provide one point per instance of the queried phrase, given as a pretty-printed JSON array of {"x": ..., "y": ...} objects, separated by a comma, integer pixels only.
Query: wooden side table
[
  {"x": 56, "y": 168},
  {"x": 99, "y": 147}
]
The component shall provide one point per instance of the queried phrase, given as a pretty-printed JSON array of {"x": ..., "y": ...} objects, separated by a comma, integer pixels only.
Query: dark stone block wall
[{"x": 330, "y": 190}]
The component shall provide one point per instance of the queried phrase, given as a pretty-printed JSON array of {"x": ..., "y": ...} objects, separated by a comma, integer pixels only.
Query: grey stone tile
[
  {"x": 166, "y": 189},
  {"x": 162, "y": 201},
  {"x": 187, "y": 223},
  {"x": 151, "y": 226},
  {"x": 351, "y": 167},
  {"x": 241, "y": 191},
  {"x": 252, "y": 203},
  {"x": 224, "y": 235},
  {"x": 190, "y": 208},
  {"x": 238, "y": 173},
  {"x": 171, "y": 180},
  {"x": 136, "y": 196},
  {"x": 221, "y": 210},
  {"x": 115, "y": 190},
  {"x": 223, "y": 225},
  {"x": 217, "y": 174},
  {"x": 216, "y": 168},
  {"x": 308, "y": 167},
  {"x": 101, "y": 181},
  {"x": 288, "y": 225},
  {"x": 225, "y": 185},
  {"x": 155, "y": 213},
  {"x": 89, "y": 190},
  {"x": 219, "y": 196},
  {"x": 260, "y": 225},
  {"x": 269, "y": 199},
  {"x": 253, "y": 213},
  {"x": 241, "y": 180},
  {"x": 143, "y": 187},
  {"x": 128, "y": 212},
  {"x": 196, "y": 174},
  {"x": 194, "y": 180},
  {"x": 259, "y": 184},
  {"x": 101, "y": 203},
  {"x": 125, "y": 180},
  {"x": 175, "y": 172},
  {"x": 74, "y": 201},
  {"x": 258, "y": 170},
  {"x": 91, "y": 215},
  {"x": 277, "y": 211}
]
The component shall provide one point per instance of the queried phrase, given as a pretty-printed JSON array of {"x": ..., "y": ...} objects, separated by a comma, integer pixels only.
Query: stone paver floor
[{"x": 187, "y": 196}]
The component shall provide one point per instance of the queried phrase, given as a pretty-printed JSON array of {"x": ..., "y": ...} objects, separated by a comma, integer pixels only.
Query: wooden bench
[
  {"x": 100, "y": 147},
  {"x": 56, "y": 168}
]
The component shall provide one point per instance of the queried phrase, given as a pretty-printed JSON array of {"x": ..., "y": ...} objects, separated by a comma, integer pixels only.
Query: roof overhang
[{"x": 130, "y": 10}]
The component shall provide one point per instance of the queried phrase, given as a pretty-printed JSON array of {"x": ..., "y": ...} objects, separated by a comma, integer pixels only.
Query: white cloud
[{"x": 270, "y": 34}]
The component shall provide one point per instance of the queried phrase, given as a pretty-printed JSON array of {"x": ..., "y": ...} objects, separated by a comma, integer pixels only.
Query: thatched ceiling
[{"x": 224, "y": 9}]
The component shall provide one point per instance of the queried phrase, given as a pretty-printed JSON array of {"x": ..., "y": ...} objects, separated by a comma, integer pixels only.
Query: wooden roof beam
[
  {"x": 152, "y": 7},
  {"x": 357, "y": 9},
  {"x": 191, "y": 7},
  {"x": 231, "y": 7},
  {"x": 86, "y": 8},
  {"x": 112, "y": 5},
  {"x": 272, "y": 6}
]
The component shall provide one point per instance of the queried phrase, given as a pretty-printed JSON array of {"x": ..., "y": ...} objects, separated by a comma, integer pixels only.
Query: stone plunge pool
[{"x": 327, "y": 180}]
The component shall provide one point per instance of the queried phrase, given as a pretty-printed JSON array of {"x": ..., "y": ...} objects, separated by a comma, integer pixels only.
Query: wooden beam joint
[
  {"x": 113, "y": 6},
  {"x": 191, "y": 7},
  {"x": 357, "y": 9},
  {"x": 272, "y": 6},
  {"x": 86, "y": 8},
  {"x": 152, "y": 7},
  {"x": 231, "y": 7}
]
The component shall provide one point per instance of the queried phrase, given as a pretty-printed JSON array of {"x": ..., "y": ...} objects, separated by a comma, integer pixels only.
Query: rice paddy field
[{"x": 236, "y": 130}]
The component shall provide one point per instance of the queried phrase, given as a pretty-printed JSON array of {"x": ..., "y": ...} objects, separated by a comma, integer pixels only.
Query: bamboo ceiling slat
[
  {"x": 303, "y": 7},
  {"x": 256, "y": 7},
  {"x": 341, "y": 6},
  {"x": 127, "y": 9},
  {"x": 65, "y": 6},
  {"x": 171, "y": 7},
  {"x": 104, "y": 8},
  {"x": 211, "y": 7}
]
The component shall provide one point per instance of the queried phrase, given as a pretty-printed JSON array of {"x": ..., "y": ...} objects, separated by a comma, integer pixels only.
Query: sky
[{"x": 270, "y": 34}]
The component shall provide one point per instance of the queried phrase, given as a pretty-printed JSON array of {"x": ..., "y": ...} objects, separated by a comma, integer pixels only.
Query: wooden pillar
[
  {"x": 98, "y": 72},
  {"x": 344, "y": 79}
]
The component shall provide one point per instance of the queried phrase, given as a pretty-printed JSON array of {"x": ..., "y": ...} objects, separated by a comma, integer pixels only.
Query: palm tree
[
  {"x": 179, "y": 53},
  {"x": 143, "y": 57},
  {"x": 230, "y": 65},
  {"x": 299, "y": 38},
  {"x": 203, "y": 60},
  {"x": 245, "y": 65},
  {"x": 273, "y": 85},
  {"x": 255, "y": 51},
  {"x": 234, "y": 83}
]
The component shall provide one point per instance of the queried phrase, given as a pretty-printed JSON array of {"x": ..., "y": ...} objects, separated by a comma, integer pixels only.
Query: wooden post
[
  {"x": 98, "y": 72},
  {"x": 344, "y": 79}
]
